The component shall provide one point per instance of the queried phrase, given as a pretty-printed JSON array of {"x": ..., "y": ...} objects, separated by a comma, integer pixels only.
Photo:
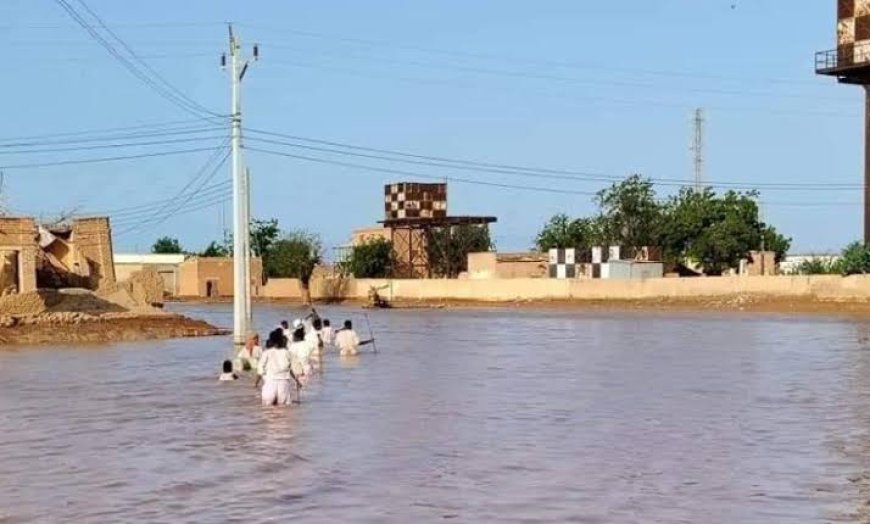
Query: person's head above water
[
  {"x": 348, "y": 324},
  {"x": 285, "y": 324},
  {"x": 276, "y": 339},
  {"x": 326, "y": 322},
  {"x": 228, "y": 366},
  {"x": 318, "y": 325},
  {"x": 299, "y": 334}
]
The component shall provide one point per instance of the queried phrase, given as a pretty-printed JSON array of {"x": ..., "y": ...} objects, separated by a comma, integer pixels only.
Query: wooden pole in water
[{"x": 371, "y": 335}]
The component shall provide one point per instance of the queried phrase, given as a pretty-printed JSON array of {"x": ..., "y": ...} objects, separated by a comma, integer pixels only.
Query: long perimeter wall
[{"x": 822, "y": 287}]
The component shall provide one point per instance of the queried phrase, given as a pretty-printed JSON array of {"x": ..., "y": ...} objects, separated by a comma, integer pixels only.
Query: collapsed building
[{"x": 73, "y": 254}]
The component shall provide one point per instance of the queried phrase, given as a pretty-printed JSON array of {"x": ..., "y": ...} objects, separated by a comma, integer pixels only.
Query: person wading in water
[{"x": 275, "y": 371}]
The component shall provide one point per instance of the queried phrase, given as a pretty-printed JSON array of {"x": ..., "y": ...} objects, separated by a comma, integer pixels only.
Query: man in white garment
[
  {"x": 348, "y": 342},
  {"x": 326, "y": 334},
  {"x": 275, "y": 370}
]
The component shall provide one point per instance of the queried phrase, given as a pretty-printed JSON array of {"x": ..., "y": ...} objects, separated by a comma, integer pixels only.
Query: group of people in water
[{"x": 293, "y": 354}]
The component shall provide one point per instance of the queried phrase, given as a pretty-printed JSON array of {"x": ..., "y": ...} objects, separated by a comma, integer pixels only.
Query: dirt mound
[
  {"x": 143, "y": 289},
  {"x": 79, "y": 327}
]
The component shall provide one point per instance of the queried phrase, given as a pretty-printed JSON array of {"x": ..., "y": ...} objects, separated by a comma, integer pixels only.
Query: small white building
[{"x": 791, "y": 262}]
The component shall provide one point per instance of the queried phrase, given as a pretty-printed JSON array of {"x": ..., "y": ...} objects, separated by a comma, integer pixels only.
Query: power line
[
  {"x": 220, "y": 190},
  {"x": 421, "y": 175},
  {"x": 392, "y": 46},
  {"x": 97, "y": 160},
  {"x": 170, "y": 95},
  {"x": 207, "y": 204},
  {"x": 551, "y": 77},
  {"x": 157, "y": 125},
  {"x": 92, "y": 139},
  {"x": 550, "y": 94},
  {"x": 146, "y": 207},
  {"x": 490, "y": 184},
  {"x": 110, "y": 146},
  {"x": 500, "y": 168},
  {"x": 180, "y": 199},
  {"x": 193, "y": 103}
]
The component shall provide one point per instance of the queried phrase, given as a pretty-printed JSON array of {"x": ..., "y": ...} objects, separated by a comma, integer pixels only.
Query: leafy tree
[
  {"x": 167, "y": 246},
  {"x": 716, "y": 231},
  {"x": 561, "y": 232},
  {"x": 295, "y": 255},
  {"x": 447, "y": 248},
  {"x": 855, "y": 259},
  {"x": 264, "y": 233},
  {"x": 215, "y": 249},
  {"x": 631, "y": 216},
  {"x": 371, "y": 259}
]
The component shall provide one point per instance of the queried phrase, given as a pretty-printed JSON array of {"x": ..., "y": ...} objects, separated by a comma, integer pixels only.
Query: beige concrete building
[
  {"x": 489, "y": 265},
  {"x": 208, "y": 277},
  {"x": 19, "y": 245},
  {"x": 165, "y": 265}
]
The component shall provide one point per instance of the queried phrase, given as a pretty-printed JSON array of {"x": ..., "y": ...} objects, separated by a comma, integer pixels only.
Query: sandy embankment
[{"x": 121, "y": 312}]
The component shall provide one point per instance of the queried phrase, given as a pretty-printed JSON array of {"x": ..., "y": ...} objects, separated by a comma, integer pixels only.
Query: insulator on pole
[{"x": 223, "y": 61}]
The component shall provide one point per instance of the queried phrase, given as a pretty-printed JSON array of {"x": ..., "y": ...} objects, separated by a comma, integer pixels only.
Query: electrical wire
[
  {"x": 147, "y": 207},
  {"x": 97, "y": 160},
  {"x": 193, "y": 103},
  {"x": 170, "y": 95},
  {"x": 168, "y": 126},
  {"x": 557, "y": 96},
  {"x": 500, "y": 168},
  {"x": 92, "y": 139},
  {"x": 550, "y": 77},
  {"x": 175, "y": 204},
  {"x": 420, "y": 175},
  {"x": 109, "y": 146},
  {"x": 499, "y": 185},
  {"x": 537, "y": 62}
]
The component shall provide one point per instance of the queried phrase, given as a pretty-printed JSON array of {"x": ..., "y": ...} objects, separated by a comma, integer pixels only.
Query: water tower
[{"x": 850, "y": 64}]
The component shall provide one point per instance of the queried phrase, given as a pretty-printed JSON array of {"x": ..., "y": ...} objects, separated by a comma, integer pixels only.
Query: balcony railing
[{"x": 843, "y": 58}]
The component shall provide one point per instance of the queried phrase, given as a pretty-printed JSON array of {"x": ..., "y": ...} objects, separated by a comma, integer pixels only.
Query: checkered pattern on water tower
[
  {"x": 412, "y": 200},
  {"x": 853, "y": 32}
]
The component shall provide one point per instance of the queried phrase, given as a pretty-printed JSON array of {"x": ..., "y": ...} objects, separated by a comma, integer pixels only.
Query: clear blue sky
[{"x": 603, "y": 87}]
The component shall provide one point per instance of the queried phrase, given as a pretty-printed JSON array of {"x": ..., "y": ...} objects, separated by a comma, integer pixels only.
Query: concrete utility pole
[
  {"x": 241, "y": 211},
  {"x": 247, "y": 214},
  {"x": 698, "y": 149}
]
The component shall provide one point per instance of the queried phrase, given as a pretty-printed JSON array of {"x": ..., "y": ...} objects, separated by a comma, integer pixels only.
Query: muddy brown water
[{"x": 464, "y": 415}]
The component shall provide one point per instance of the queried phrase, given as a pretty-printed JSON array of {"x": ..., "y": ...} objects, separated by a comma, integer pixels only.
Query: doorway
[{"x": 211, "y": 288}]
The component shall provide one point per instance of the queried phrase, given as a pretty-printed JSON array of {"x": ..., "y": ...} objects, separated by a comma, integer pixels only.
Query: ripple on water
[{"x": 472, "y": 416}]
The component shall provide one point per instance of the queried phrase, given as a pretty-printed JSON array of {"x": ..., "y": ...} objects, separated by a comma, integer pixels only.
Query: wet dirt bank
[{"x": 79, "y": 328}]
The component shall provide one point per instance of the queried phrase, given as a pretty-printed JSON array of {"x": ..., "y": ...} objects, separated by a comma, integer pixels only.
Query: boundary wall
[{"x": 820, "y": 287}]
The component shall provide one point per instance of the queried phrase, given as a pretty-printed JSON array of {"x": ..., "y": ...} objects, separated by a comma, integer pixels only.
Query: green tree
[
  {"x": 630, "y": 213},
  {"x": 447, "y": 248},
  {"x": 561, "y": 232},
  {"x": 855, "y": 259},
  {"x": 215, "y": 249},
  {"x": 716, "y": 231},
  {"x": 295, "y": 255},
  {"x": 167, "y": 245},
  {"x": 371, "y": 259},
  {"x": 264, "y": 233}
]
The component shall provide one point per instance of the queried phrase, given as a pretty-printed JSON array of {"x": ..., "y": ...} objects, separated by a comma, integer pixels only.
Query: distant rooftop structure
[
  {"x": 149, "y": 258},
  {"x": 849, "y": 63}
]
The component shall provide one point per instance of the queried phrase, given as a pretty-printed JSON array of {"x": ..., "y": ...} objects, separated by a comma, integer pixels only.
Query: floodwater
[{"x": 463, "y": 415}]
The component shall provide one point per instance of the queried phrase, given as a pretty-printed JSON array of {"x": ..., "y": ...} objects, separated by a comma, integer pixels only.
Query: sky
[{"x": 596, "y": 89}]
